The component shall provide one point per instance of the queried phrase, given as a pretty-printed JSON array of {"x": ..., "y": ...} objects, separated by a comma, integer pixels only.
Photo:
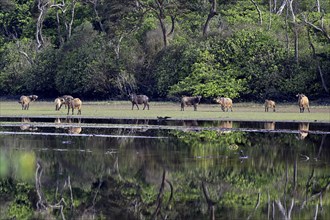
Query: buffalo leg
[{"x": 136, "y": 106}]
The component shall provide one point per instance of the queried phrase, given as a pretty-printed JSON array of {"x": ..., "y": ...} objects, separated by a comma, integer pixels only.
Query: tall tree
[{"x": 162, "y": 9}]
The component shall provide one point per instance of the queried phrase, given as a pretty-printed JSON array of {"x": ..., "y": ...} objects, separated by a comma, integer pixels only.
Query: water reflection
[
  {"x": 226, "y": 125},
  {"x": 189, "y": 175},
  {"x": 70, "y": 125},
  {"x": 27, "y": 126},
  {"x": 303, "y": 129},
  {"x": 269, "y": 125}
]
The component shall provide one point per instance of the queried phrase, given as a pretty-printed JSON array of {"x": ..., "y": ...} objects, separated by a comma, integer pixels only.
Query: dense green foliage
[{"x": 165, "y": 49}]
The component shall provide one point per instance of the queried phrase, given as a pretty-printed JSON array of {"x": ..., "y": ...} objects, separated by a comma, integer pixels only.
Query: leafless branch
[
  {"x": 259, "y": 11},
  {"x": 320, "y": 29}
]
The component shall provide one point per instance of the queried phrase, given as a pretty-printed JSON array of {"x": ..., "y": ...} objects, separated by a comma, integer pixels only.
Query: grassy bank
[{"x": 242, "y": 111}]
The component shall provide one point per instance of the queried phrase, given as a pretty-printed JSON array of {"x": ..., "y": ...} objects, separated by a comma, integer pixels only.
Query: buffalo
[
  {"x": 269, "y": 104},
  {"x": 25, "y": 101},
  {"x": 303, "y": 102},
  {"x": 66, "y": 97},
  {"x": 190, "y": 101},
  {"x": 225, "y": 103},
  {"x": 138, "y": 100},
  {"x": 75, "y": 103},
  {"x": 58, "y": 103}
]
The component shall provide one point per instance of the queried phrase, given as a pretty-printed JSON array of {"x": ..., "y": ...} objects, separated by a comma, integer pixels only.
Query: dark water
[{"x": 155, "y": 169}]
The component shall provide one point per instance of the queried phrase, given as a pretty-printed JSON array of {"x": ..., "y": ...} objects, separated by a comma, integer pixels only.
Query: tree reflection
[{"x": 188, "y": 175}]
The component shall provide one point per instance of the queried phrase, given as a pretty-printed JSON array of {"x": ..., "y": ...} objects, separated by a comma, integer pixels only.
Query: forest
[{"x": 105, "y": 49}]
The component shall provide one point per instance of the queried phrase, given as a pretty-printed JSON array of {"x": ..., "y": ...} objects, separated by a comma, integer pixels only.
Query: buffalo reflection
[
  {"x": 303, "y": 129},
  {"x": 73, "y": 128},
  {"x": 226, "y": 126},
  {"x": 26, "y": 126},
  {"x": 269, "y": 125}
]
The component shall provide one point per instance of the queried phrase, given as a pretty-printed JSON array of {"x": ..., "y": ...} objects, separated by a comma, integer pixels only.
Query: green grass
[{"x": 122, "y": 109}]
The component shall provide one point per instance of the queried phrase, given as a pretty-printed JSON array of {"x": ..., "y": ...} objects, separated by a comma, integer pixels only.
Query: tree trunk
[
  {"x": 212, "y": 13},
  {"x": 318, "y": 7},
  {"x": 324, "y": 85},
  {"x": 42, "y": 7},
  {"x": 259, "y": 12},
  {"x": 280, "y": 10},
  {"x": 270, "y": 14},
  {"x": 295, "y": 31}
]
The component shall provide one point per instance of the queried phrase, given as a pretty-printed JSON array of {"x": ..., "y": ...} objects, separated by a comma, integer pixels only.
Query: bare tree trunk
[
  {"x": 173, "y": 23},
  {"x": 295, "y": 174},
  {"x": 212, "y": 13},
  {"x": 324, "y": 85},
  {"x": 275, "y": 6},
  {"x": 210, "y": 202},
  {"x": 42, "y": 7},
  {"x": 318, "y": 6},
  {"x": 270, "y": 14},
  {"x": 95, "y": 3},
  {"x": 59, "y": 32},
  {"x": 295, "y": 31},
  {"x": 286, "y": 32},
  {"x": 321, "y": 29},
  {"x": 72, "y": 18},
  {"x": 259, "y": 11},
  {"x": 280, "y": 10}
]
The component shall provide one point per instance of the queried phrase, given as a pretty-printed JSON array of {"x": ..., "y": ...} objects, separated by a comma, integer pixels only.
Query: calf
[
  {"x": 25, "y": 101},
  {"x": 225, "y": 103},
  {"x": 190, "y": 101},
  {"x": 58, "y": 103},
  {"x": 303, "y": 102},
  {"x": 138, "y": 100},
  {"x": 269, "y": 104}
]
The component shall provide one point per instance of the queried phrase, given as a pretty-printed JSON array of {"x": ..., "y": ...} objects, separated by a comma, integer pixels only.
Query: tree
[
  {"x": 14, "y": 70},
  {"x": 208, "y": 80},
  {"x": 161, "y": 9}
]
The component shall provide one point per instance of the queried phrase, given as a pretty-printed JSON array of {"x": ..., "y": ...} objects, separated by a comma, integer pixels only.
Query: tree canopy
[{"x": 100, "y": 49}]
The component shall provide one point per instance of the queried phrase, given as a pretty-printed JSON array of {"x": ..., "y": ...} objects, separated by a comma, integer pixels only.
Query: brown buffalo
[
  {"x": 225, "y": 103},
  {"x": 138, "y": 100},
  {"x": 75, "y": 103},
  {"x": 190, "y": 101},
  {"x": 303, "y": 102},
  {"x": 269, "y": 104},
  {"x": 25, "y": 101}
]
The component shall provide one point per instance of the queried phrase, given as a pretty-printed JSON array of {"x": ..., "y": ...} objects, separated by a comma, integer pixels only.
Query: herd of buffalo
[{"x": 225, "y": 103}]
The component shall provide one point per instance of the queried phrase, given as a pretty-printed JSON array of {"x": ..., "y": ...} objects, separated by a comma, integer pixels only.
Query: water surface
[{"x": 145, "y": 169}]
